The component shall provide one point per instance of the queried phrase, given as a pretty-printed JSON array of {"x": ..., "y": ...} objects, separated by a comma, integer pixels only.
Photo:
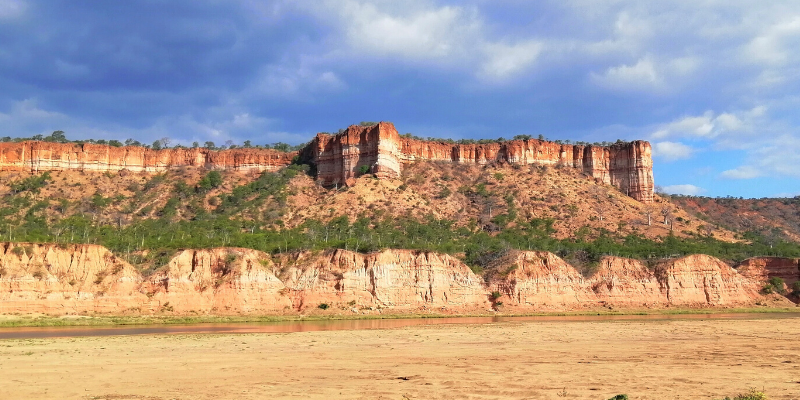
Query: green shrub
[
  {"x": 363, "y": 169},
  {"x": 323, "y": 306},
  {"x": 495, "y": 295},
  {"x": 796, "y": 288},
  {"x": 777, "y": 284},
  {"x": 753, "y": 394},
  {"x": 620, "y": 397}
]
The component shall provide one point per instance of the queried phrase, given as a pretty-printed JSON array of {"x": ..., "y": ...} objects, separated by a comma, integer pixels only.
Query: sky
[{"x": 713, "y": 85}]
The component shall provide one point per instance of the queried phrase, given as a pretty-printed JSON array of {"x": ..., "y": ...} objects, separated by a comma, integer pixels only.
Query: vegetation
[
  {"x": 753, "y": 394},
  {"x": 212, "y": 212}
]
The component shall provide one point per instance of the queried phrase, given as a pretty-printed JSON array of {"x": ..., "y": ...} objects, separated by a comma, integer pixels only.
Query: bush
[
  {"x": 495, "y": 295},
  {"x": 796, "y": 288},
  {"x": 777, "y": 284},
  {"x": 753, "y": 394},
  {"x": 620, "y": 397},
  {"x": 363, "y": 169},
  {"x": 323, "y": 306}
]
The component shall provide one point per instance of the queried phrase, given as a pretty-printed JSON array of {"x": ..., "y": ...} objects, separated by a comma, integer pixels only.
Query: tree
[
  {"x": 56, "y": 136},
  {"x": 648, "y": 211},
  {"x": 156, "y": 145},
  {"x": 195, "y": 145},
  {"x": 667, "y": 213},
  {"x": 209, "y": 145},
  {"x": 165, "y": 142},
  {"x": 248, "y": 144}
]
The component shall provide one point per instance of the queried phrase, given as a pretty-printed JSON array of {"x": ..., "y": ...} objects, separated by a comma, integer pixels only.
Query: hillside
[
  {"x": 364, "y": 189},
  {"x": 776, "y": 219}
]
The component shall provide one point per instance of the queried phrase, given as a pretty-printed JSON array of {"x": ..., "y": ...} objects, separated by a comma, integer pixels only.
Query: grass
[{"x": 10, "y": 321}]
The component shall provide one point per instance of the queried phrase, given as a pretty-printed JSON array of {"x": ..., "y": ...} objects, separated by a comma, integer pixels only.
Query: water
[{"x": 337, "y": 325}]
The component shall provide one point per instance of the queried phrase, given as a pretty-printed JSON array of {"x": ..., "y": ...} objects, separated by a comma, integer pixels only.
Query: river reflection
[{"x": 334, "y": 325}]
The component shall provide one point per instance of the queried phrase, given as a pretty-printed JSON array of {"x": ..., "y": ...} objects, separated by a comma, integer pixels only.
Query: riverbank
[
  {"x": 41, "y": 320},
  {"x": 657, "y": 359}
]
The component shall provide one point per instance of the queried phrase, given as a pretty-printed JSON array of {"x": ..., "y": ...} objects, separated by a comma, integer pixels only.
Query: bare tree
[
  {"x": 648, "y": 211},
  {"x": 165, "y": 142},
  {"x": 667, "y": 213}
]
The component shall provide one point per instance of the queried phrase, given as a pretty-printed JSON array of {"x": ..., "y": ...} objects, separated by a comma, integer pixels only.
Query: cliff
[
  {"x": 762, "y": 269},
  {"x": 44, "y": 156},
  {"x": 339, "y": 158},
  {"x": 73, "y": 279},
  {"x": 543, "y": 280},
  {"x": 380, "y": 150}
]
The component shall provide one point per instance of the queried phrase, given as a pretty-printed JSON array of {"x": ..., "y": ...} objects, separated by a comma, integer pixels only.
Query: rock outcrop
[
  {"x": 391, "y": 278},
  {"x": 69, "y": 279},
  {"x": 339, "y": 158},
  {"x": 380, "y": 150},
  {"x": 43, "y": 156},
  {"x": 762, "y": 269},
  {"x": 543, "y": 280}
]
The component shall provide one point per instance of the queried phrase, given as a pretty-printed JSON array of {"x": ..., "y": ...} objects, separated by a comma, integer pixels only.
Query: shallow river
[{"x": 334, "y": 325}]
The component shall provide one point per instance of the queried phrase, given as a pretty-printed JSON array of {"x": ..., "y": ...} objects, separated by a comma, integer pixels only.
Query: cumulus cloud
[
  {"x": 645, "y": 75},
  {"x": 503, "y": 60},
  {"x": 743, "y": 172},
  {"x": 689, "y": 190},
  {"x": 671, "y": 151},
  {"x": 710, "y": 125}
]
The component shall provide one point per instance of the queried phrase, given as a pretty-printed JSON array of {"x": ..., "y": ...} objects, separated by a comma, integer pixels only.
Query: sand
[{"x": 684, "y": 359}]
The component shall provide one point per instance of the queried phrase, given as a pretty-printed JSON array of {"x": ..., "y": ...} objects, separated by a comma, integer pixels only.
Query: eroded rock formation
[
  {"x": 339, "y": 158},
  {"x": 543, "y": 280},
  {"x": 379, "y": 149},
  {"x": 762, "y": 269},
  {"x": 44, "y": 156},
  {"x": 68, "y": 279}
]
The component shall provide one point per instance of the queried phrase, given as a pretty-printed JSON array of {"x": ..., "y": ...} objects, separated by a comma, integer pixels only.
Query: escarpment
[
  {"x": 379, "y": 149},
  {"x": 45, "y": 156},
  {"x": 69, "y": 279},
  {"x": 340, "y": 158}
]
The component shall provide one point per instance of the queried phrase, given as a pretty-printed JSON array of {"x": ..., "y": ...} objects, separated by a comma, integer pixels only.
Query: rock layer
[
  {"x": 379, "y": 149},
  {"x": 543, "y": 280},
  {"x": 69, "y": 279},
  {"x": 43, "y": 156},
  {"x": 762, "y": 269},
  {"x": 339, "y": 158}
]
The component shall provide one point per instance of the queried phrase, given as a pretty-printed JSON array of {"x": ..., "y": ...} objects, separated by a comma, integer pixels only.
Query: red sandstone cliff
[
  {"x": 88, "y": 278},
  {"x": 339, "y": 158},
  {"x": 44, "y": 156},
  {"x": 762, "y": 269},
  {"x": 382, "y": 151}
]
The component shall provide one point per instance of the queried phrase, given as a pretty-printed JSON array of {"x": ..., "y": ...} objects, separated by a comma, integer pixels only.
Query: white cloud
[
  {"x": 408, "y": 31},
  {"x": 646, "y": 74},
  {"x": 506, "y": 60},
  {"x": 689, "y": 190},
  {"x": 671, "y": 151},
  {"x": 641, "y": 75},
  {"x": 710, "y": 126},
  {"x": 12, "y": 8},
  {"x": 743, "y": 172}
]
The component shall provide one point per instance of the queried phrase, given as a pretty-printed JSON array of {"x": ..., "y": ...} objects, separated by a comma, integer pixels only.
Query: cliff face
[
  {"x": 543, "y": 280},
  {"x": 762, "y": 269},
  {"x": 392, "y": 278},
  {"x": 339, "y": 158},
  {"x": 86, "y": 278},
  {"x": 379, "y": 149},
  {"x": 43, "y": 156}
]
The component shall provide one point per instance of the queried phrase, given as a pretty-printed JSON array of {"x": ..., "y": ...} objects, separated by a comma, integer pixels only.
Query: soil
[{"x": 677, "y": 359}]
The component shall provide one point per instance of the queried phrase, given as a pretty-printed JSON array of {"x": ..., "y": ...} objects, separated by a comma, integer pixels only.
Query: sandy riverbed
[{"x": 685, "y": 359}]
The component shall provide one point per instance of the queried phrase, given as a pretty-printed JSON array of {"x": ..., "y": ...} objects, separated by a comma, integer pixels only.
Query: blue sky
[{"x": 713, "y": 85}]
